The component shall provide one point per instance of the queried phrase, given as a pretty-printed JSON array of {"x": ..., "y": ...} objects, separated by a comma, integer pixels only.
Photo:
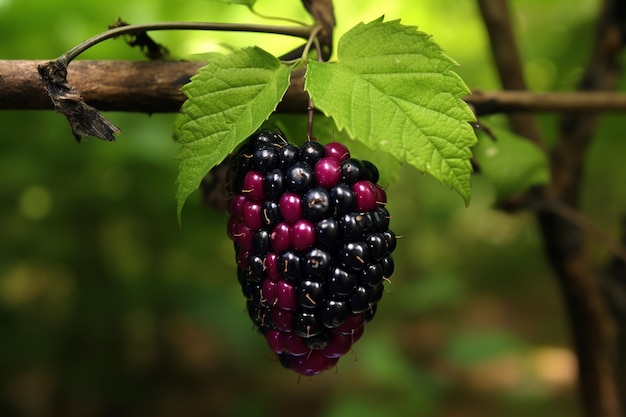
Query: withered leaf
[
  {"x": 151, "y": 49},
  {"x": 83, "y": 119}
]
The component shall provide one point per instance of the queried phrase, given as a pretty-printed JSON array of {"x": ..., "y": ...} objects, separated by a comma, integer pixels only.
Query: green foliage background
[{"x": 108, "y": 308}]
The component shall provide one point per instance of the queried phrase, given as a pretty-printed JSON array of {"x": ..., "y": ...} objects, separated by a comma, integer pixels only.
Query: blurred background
[{"x": 108, "y": 308}]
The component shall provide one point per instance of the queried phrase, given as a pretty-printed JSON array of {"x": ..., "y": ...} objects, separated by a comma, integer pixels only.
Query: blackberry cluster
[{"x": 313, "y": 246}]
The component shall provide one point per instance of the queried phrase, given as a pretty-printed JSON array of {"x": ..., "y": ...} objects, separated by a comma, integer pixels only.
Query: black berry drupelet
[{"x": 313, "y": 246}]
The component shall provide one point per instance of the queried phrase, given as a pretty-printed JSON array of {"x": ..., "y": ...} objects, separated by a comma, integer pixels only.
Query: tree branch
[
  {"x": 154, "y": 87},
  {"x": 590, "y": 321},
  {"x": 126, "y": 29},
  {"x": 130, "y": 86},
  {"x": 496, "y": 16},
  {"x": 614, "y": 284},
  {"x": 490, "y": 102},
  {"x": 324, "y": 14},
  {"x": 592, "y": 324}
]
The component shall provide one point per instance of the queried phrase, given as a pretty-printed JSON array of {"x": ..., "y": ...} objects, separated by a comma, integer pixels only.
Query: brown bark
[
  {"x": 131, "y": 86},
  {"x": 594, "y": 326},
  {"x": 495, "y": 14},
  {"x": 591, "y": 322},
  {"x": 154, "y": 87}
]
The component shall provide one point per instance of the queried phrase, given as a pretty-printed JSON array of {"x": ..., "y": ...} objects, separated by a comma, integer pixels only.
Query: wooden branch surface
[
  {"x": 496, "y": 16},
  {"x": 130, "y": 86},
  {"x": 154, "y": 87},
  {"x": 590, "y": 321},
  {"x": 594, "y": 327}
]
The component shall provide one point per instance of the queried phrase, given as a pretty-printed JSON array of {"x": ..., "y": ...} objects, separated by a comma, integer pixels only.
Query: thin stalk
[
  {"x": 310, "y": 109},
  {"x": 312, "y": 39},
  {"x": 297, "y": 31},
  {"x": 284, "y": 19}
]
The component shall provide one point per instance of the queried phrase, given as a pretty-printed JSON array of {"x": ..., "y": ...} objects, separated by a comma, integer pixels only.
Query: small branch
[
  {"x": 496, "y": 16},
  {"x": 154, "y": 87},
  {"x": 491, "y": 102},
  {"x": 297, "y": 31},
  {"x": 310, "y": 108},
  {"x": 129, "y": 86},
  {"x": 84, "y": 119},
  {"x": 614, "y": 284},
  {"x": 562, "y": 230},
  {"x": 324, "y": 14},
  {"x": 594, "y": 328}
]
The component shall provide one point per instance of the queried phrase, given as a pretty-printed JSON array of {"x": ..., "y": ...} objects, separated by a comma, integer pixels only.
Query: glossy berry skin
[
  {"x": 328, "y": 171},
  {"x": 312, "y": 244}
]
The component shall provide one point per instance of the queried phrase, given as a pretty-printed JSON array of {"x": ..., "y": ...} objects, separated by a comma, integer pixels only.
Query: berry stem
[
  {"x": 304, "y": 32},
  {"x": 310, "y": 109}
]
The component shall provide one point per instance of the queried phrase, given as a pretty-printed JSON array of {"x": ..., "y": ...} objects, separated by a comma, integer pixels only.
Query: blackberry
[
  {"x": 342, "y": 198},
  {"x": 290, "y": 266},
  {"x": 300, "y": 177},
  {"x": 371, "y": 171},
  {"x": 353, "y": 170},
  {"x": 302, "y": 234},
  {"x": 261, "y": 242},
  {"x": 264, "y": 158},
  {"x": 290, "y": 207},
  {"x": 327, "y": 171},
  {"x": 270, "y": 214},
  {"x": 310, "y": 294},
  {"x": 311, "y": 152},
  {"x": 306, "y": 324},
  {"x": 353, "y": 226},
  {"x": 334, "y": 313},
  {"x": 316, "y": 204},
  {"x": 273, "y": 185},
  {"x": 377, "y": 245},
  {"x": 342, "y": 283},
  {"x": 287, "y": 155},
  {"x": 312, "y": 243},
  {"x": 327, "y": 234},
  {"x": 372, "y": 275},
  {"x": 317, "y": 264}
]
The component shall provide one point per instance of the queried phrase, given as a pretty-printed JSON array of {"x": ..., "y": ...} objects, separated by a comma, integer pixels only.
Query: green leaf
[
  {"x": 228, "y": 99},
  {"x": 394, "y": 89},
  {"x": 511, "y": 162}
]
